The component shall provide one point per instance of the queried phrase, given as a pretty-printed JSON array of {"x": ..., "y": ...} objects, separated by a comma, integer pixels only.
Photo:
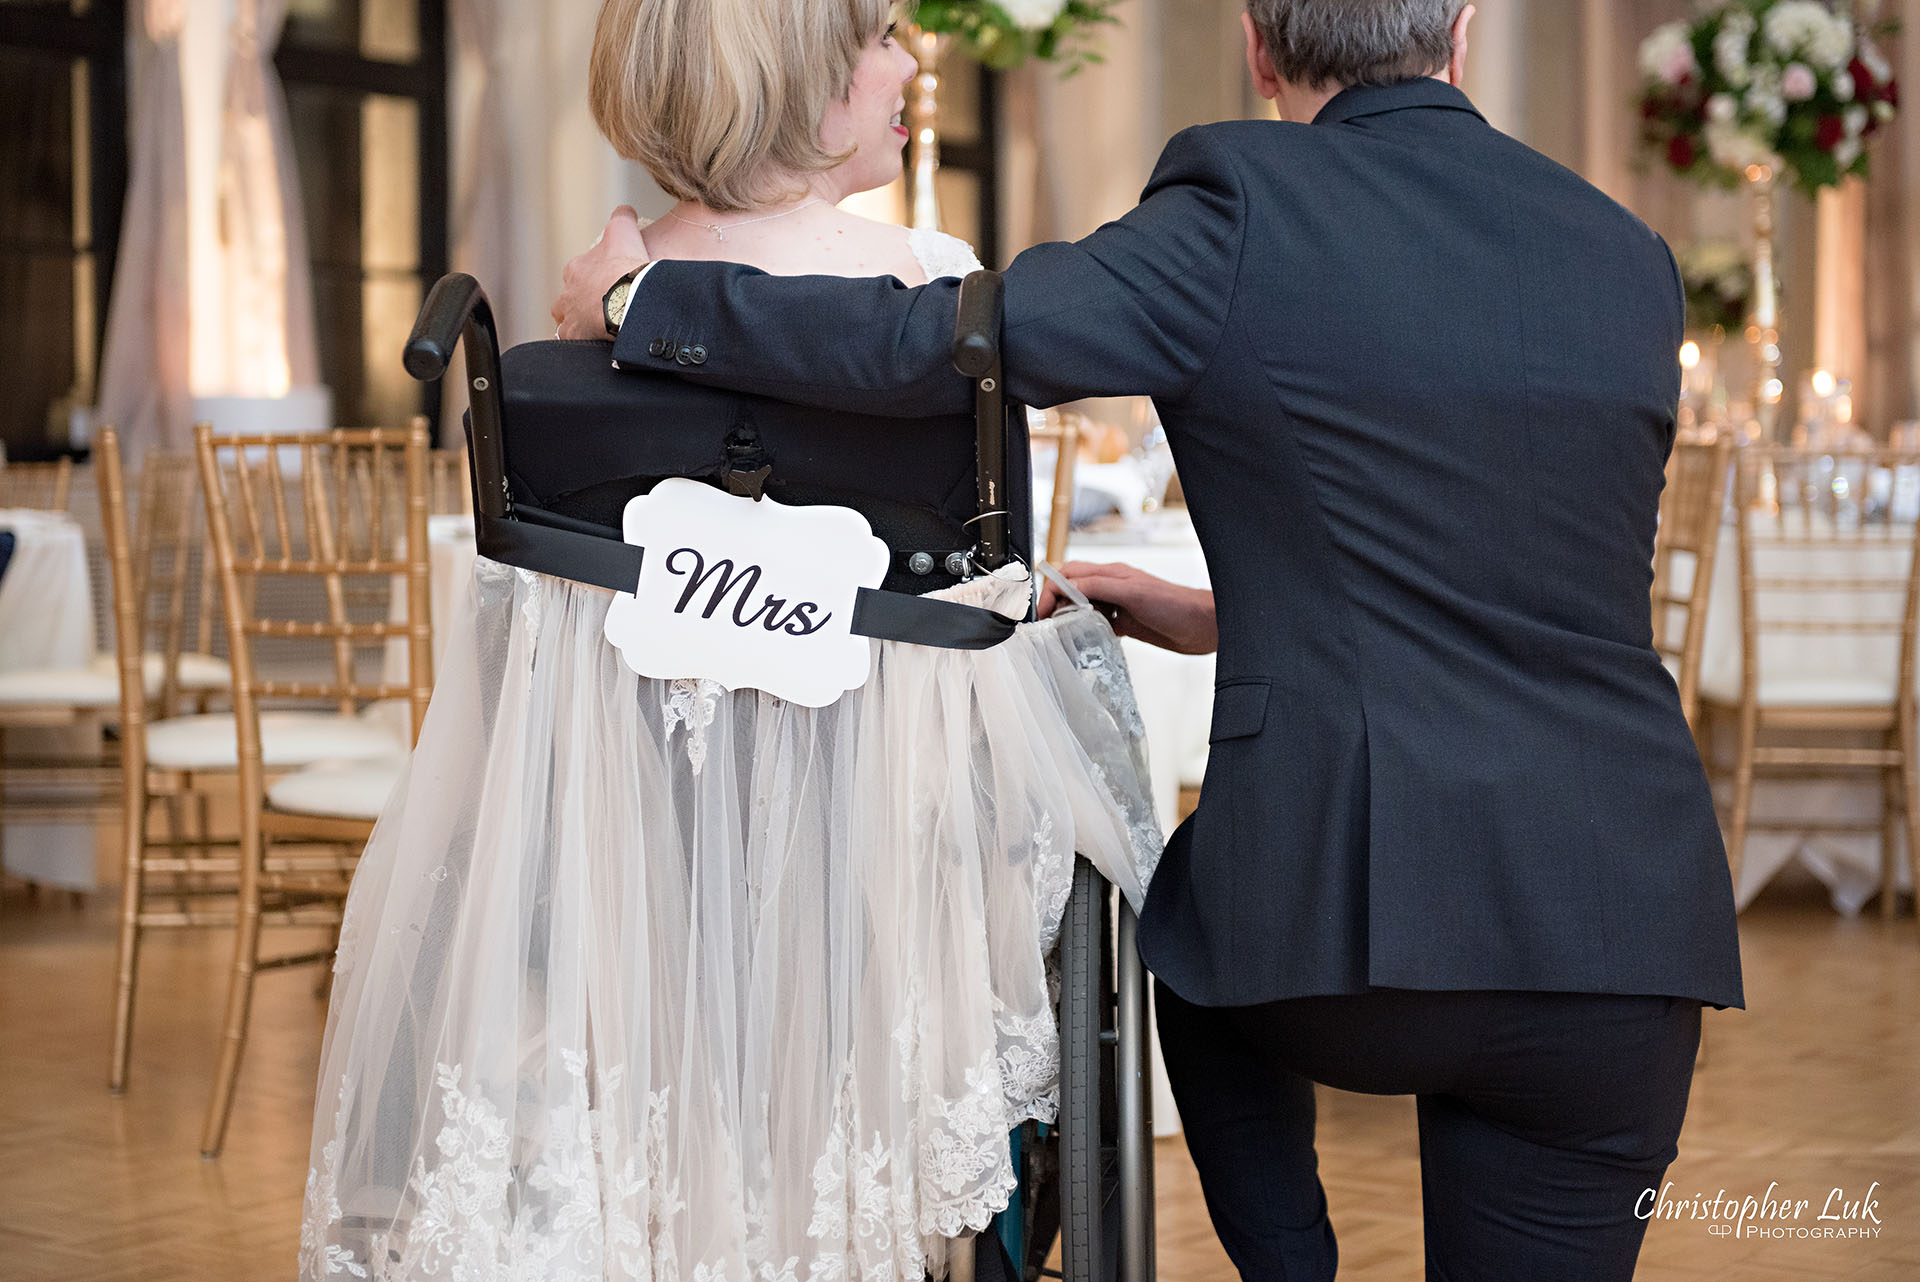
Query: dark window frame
[{"x": 97, "y": 37}]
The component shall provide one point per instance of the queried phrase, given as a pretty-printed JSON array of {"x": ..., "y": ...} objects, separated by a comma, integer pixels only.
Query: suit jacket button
[
  {"x": 658, "y": 347},
  {"x": 698, "y": 355},
  {"x": 684, "y": 356}
]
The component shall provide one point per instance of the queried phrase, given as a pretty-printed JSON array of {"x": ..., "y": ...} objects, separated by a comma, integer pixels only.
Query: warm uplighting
[
  {"x": 1824, "y": 384},
  {"x": 1689, "y": 356}
]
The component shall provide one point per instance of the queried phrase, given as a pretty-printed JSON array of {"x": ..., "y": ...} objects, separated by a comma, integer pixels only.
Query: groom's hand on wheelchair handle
[
  {"x": 1141, "y": 606},
  {"x": 579, "y": 311}
]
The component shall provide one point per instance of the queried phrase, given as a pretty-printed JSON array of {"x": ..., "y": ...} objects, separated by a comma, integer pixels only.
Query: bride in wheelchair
[{"x": 650, "y": 980}]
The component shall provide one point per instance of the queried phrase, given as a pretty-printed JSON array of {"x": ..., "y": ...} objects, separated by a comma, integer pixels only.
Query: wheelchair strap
[{"x": 570, "y": 553}]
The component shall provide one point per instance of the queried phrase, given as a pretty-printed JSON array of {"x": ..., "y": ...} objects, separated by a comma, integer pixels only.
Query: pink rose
[{"x": 1798, "y": 83}]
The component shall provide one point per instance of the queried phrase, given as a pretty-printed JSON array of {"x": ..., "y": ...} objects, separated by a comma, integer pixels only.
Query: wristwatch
[{"x": 613, "y": 307}]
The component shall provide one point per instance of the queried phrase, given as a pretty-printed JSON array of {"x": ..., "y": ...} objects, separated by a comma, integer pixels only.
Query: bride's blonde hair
[{"x": 722, "y": 100}]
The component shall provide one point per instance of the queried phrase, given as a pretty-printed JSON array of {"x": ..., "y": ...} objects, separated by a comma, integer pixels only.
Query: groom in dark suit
[{"x": 1455, "y": 840}]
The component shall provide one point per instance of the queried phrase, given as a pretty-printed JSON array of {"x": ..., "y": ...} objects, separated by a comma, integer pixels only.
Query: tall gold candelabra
[
  {"x": 1763, "y": 330},
  {"x": 923, "y": 119}
]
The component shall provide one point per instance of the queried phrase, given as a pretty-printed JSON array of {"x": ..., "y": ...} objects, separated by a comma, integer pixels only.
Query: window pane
[
  {"x": 359, "y": 161},
  {"x": 388, "y": 30}
]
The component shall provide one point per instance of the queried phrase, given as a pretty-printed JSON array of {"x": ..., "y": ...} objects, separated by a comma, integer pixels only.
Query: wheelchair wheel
[{"x": 1089, "y": 1166}]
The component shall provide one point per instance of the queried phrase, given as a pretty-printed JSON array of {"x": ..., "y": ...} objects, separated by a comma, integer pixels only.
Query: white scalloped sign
[{"x": 753, "y": 595}]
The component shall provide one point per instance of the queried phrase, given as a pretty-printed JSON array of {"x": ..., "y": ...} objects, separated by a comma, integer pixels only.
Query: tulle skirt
[{"x": 646, "y": 980}]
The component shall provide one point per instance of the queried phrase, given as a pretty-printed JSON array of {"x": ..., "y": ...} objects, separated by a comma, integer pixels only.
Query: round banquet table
[{"x": 46, "y": 621}]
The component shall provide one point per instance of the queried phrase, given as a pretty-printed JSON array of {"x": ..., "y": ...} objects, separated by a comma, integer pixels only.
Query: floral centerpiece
[
  {"x": 1005, "y": 33},
  {"x": 1790, "y": 86},
  {"x": 1719, "y": 285}
]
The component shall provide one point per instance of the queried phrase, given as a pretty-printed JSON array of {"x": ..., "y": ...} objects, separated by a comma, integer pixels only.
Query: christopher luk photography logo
[{"x": 1773, "y": 1215}]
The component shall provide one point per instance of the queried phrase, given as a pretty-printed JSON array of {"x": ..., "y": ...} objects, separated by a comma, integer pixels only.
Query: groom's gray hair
[{"x": 1356, "y": 42}]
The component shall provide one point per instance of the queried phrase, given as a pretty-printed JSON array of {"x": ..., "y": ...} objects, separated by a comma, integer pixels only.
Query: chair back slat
[
  {"x": 1826, "y": 546},
  {"x": 322, "y": 494},
  {"x": 42, "y": 486},
  {"x": 1685, "y": 550}
]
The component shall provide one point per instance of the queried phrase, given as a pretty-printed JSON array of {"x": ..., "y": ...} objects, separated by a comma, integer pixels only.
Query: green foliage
[{"x": 989, "y": 34}]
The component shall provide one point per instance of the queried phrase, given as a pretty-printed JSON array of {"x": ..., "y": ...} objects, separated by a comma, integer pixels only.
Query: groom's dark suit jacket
[{"x": 1420, "y": 383}]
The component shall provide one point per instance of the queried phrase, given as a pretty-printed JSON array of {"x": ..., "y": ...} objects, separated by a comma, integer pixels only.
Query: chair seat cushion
[
  {"x": 338, "y": 790},
  {"x": 198, "y": 672},
  {"x": 60, "y": 688},
  {"x": 288, "y": 740}
]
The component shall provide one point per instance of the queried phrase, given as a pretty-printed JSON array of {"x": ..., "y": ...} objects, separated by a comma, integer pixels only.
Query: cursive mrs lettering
[{"x": 773, "y": 614}]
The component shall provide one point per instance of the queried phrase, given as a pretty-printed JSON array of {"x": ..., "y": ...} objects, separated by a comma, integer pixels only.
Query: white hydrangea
[
  {"x": 1667, "y": 54},
  {"x": 1844, "y": 87},
  {"x": 1034, "y": 15},
  {"x": 1809, "y": 29},
  {"x": 1730, "y": 48},
  {"x": 1856, "y": 118},
  {"x": 1721, "y": 108},
  {"x": 1846, "y": 153},
  {"x": 1767, "y": 97},
  {"x": 1736, "y": 148}
]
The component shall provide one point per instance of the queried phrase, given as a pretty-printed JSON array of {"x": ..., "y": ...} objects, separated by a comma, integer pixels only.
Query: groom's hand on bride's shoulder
[
  {"x": 580, "y": 311},
  {"x": 1141, "y": 606}
]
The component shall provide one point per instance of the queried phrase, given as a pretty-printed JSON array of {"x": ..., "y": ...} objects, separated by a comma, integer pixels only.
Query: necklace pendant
[{"x": 720, "y": 233}]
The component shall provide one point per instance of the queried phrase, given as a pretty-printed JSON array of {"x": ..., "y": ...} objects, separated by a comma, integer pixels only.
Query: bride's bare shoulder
[{"x": 860, "y": 246}]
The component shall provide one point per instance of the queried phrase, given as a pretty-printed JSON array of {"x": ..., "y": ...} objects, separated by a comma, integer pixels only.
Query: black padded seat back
[{"x": 582, "y": 438}]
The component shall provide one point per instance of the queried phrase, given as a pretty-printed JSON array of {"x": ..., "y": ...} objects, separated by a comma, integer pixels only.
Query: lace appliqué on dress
[
  {"x": 693, "y": 702},
  {"x": 572, "y": 1211},
  {"x": 940, "y": 254}
]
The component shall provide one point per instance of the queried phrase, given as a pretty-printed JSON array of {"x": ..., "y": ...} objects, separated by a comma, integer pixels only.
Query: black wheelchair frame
[{"x": 1088, "y": 1180}]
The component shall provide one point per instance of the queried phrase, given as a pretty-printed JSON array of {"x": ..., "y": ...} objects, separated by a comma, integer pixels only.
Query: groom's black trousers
[{"x": 1543, "y": 1119}]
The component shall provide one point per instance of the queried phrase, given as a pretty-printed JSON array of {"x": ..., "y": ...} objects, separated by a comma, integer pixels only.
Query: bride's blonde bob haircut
[{"x": 722, "y": 100}]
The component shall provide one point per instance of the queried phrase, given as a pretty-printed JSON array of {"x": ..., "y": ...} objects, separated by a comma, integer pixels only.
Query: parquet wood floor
[{"x": 1818, "y": 1086}]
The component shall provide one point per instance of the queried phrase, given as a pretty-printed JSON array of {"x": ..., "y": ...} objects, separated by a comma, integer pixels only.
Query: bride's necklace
[{"x": 720, "y": 230}]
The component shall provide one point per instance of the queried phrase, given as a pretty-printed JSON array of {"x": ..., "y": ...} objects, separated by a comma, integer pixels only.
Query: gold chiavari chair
[
  {"x": 1066, "y": 429},
  {"x": 1826, "y": 544},
  {"x": 44, "y": 486},
  {"x": 1684, "y": 553},
  {"x": 300, "y": 835},
  {"x": 185, "y": 881}
]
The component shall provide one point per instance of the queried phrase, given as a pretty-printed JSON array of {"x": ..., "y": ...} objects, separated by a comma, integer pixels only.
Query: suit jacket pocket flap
[{"x": 1239, "y": 710}]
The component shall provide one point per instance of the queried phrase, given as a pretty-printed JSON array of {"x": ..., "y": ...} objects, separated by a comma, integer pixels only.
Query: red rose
[
  {"x": 1681, "y": 153},
  {"x": 1865, "y": 87},
  {"x": 1829, "y": 133}
]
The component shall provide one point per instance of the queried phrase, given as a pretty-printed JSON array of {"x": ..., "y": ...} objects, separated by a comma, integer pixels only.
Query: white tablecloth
[
  {"x": 46, "y": 621},
  {"x": 451, "y": 547},
  {"x": 1846, "y": 663}
]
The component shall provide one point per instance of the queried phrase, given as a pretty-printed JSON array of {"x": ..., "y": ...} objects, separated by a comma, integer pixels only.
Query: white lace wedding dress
[{"x": 644, "y": 980}]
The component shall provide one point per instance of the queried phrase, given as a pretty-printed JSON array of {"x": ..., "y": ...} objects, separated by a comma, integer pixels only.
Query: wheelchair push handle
[
  {"x": 976, "y": 354},
  {"x": 457, "y": 308},
  {"x": 976, "y": 335}
]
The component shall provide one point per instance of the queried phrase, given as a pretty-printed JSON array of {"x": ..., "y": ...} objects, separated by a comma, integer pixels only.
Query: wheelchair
[{"x": 557, "y": 448}]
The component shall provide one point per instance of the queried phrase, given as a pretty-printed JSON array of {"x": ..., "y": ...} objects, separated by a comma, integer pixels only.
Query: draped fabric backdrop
[
  {"x": 267, "y": 323},
  {"x": 146, "y": 366}
]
